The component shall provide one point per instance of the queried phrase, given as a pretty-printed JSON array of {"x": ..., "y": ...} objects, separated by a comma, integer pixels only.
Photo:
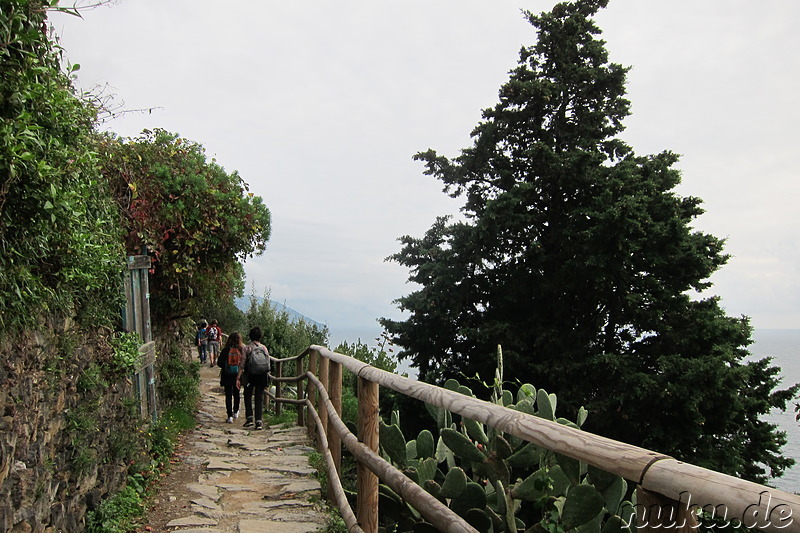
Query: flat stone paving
[{"x": 249, "y": 481}]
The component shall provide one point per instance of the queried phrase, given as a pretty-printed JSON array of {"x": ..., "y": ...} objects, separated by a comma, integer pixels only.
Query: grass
[
  {"x": 288, "y": 417},
  {"x": 335, "y": 523}
]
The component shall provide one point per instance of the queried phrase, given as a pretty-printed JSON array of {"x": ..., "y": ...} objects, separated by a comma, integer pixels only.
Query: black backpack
[{"x": 258, "y": 361}]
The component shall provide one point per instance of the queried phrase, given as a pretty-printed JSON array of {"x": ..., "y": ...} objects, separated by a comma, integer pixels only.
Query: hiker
[
  {"x": 254, "y": 375},
  {"x": 230, "y": 361},
  {"x": 202, "y": 341},
  {"x": 214, "y": 334}
]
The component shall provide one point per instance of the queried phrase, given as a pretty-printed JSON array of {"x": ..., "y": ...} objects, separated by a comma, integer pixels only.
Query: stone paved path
[{"x": 249, "y": 481}]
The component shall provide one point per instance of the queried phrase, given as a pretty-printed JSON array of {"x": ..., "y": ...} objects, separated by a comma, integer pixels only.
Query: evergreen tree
[{"x": 577, "y": 256}]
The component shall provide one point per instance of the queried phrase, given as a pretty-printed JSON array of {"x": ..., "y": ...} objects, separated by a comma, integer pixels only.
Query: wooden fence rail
[{"x": 662, "y": 482}]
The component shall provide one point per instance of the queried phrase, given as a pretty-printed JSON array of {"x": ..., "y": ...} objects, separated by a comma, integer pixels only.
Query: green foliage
[
  {"x": 283, "y": 336},
  {"x": 53, "y": 361},
  {"x": 578, "y": 257},
  {"x": 335, "y": 523},
  {"x": 163, "y": 434},
  {"x": 127, "y": 446},
  {"x": 60, "y": 232},
  {"x": 349, "y": 406},
  {"x": 380, "y": 356},
  {"x": 196, "y": 220},
  {"x": 117, "y": 514},
  {"x": 126, "y": 353},
  {"x": 179, "y": 382},
  {"x": 288, "y": 417},
  {"x": 317, "y": 461}
]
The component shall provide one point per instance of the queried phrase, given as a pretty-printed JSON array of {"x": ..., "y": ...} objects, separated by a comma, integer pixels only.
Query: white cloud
[{"x": 320, "y": 107}]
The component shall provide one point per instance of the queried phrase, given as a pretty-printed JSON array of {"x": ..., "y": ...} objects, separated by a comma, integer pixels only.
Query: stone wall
[{"x": 68, "y": 429}]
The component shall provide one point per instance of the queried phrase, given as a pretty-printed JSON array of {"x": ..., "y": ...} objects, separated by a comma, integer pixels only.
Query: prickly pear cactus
[{"x": 498, "y": 482}]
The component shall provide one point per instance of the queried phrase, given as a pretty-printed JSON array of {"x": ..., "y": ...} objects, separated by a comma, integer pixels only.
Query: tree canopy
[
  {"x": 73, "y": 202},
  {"x": 197, "y": 221},
  {"x": 283, "y": 335},
  {"x": 579, "y": 258}
]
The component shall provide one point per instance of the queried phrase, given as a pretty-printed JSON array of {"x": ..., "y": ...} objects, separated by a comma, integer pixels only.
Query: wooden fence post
[
  {"x": 301, "y": 412},
  {"x": 311, "y": 390},
  {"x": 335, "y": 395},
  {"x": 368, "y": 433},
  {"x": 278, "y": 387},
  {"x": 324, "y": 364}
]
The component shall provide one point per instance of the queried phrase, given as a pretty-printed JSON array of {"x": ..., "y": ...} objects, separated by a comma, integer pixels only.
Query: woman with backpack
[
  {"x": 231, "y": 360},
  {"x": 202, "y": 341},
  {"x": 254, "y": 374},
  {"x": 214, "y": 335}
]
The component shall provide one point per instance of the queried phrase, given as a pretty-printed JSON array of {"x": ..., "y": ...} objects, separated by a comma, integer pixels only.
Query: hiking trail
[{"x": 232, "y": 479}]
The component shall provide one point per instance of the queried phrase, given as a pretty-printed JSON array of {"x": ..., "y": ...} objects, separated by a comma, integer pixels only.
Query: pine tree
[{"x": 577, "y": 256}]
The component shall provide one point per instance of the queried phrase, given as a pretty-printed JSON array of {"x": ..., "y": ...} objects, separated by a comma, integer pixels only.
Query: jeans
[
  {"x": 202, "y": 350},
  {"x": 232, "y": 398},
  {"x": 255, "y": 385}
]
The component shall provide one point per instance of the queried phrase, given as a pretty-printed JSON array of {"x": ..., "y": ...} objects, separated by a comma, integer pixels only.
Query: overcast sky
[{"x": 321, "y": 105}]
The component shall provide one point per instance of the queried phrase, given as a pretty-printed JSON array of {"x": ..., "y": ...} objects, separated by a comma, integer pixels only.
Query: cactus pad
[
  {"x": 461, "y": 446},
  {"x": 582, "y": 505},
  {"x": 425, "y": 444},
  {"x": 455, "y": 481},
  {"x": 393, "y": 443}
]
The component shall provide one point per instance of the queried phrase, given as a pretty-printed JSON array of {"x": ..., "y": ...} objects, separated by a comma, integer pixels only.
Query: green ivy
[
  {"x": 59, "y": 229},
  {"x": 126, "y": 353}
]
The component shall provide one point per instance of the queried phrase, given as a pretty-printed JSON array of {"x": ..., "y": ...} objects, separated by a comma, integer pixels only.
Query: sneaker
[
  {"x": 229, "y": 420},
  {"x": 248, "y": 423},
  {"x": 259, "y": 425},
  {"x": 236, "y": 414}
]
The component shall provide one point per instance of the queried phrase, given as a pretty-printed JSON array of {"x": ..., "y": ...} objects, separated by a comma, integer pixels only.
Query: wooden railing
[{"x": 663, "y": 484}]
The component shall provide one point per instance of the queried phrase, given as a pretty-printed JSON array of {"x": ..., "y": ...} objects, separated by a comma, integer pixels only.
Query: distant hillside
[{"x": 244, "y": 304}]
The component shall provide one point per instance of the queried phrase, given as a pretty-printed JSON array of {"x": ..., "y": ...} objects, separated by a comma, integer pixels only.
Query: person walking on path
[
  {"x": 202, "y": 341},
  {"x": 254, "y": 375},
  {"x": 230, "y": 361},
  {"x": 214, "y": 334}
]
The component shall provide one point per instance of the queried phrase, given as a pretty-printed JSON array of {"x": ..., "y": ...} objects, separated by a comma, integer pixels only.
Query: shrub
[
  {"x": 179, "y": 382},
  {"x": 118, "y": 513}
]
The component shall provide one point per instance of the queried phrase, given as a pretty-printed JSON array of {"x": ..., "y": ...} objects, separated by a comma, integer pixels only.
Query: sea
[{"x": 783, "y": 345}]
